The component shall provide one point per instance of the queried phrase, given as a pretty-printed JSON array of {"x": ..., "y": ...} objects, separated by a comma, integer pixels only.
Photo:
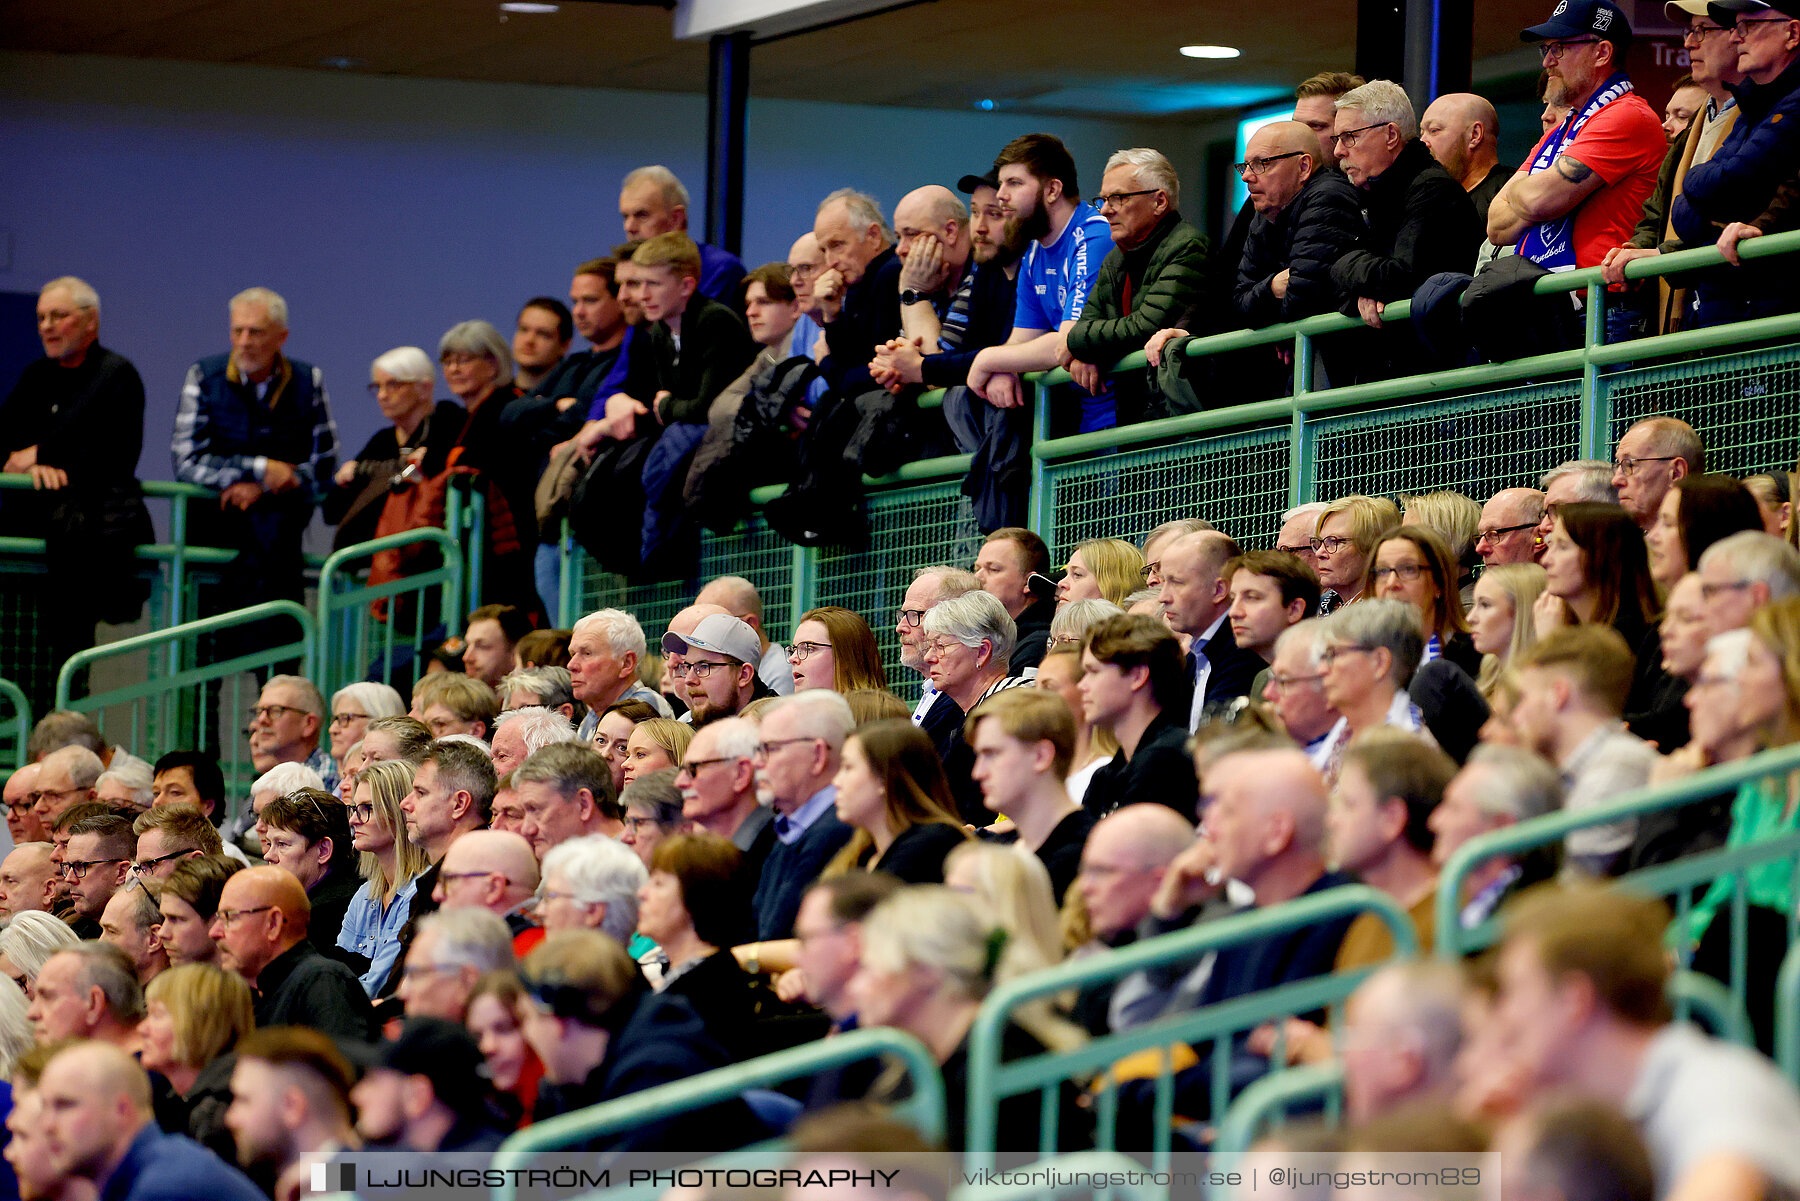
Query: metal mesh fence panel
[{"x": 1740, "y": 404}]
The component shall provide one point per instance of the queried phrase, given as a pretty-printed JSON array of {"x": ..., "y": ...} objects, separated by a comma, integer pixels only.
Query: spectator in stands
[
  {"x": 65, "y": 727},
  {"x": 1005, "y": 565},
  {"x": 1060, "y": 673},
  {"x": 512, "y": 1067},
  {"x": 490, "y": 640},
  {"x": 691, "y": 907},
  {"x": 720, "y": 657},
  {"x": 541, "y": 338},
  {"x": 1572, "y": 1147},
  {"x": 892, "y": 788},
  {"x": 858, "y": 292},
  {"x": 452, "y": 949},
  {"x": 260, "y": 927},
  {"x": 101, "y": 1132},
  {"x": 739, "y": 597},
  {"x": 390, "y": 869},
  {"x": 1652, "y": 456},
  {"x": 1022, "y": 742},
  {"x": 286, "y": 725},
  {"x": 452, "y": 794},
  {"x": 548, "y": 687},
  {"x": 1421, "y": 220},
  {"x": 828, "y": 932},
  {"x": 309, "y": 838},
  {"x": 188, "y": 901},
  {"x": 652, "y": 201},
  {"x": 87, "y": 991},
  {"x": 1196, "y": 600},
  {"x": 1269, "y": 591},
  {"x": 1153, "y": 278},
  {"x": 674, "y": 673},
  {"x": 423, "y": 1091},
  {"x": 1585, "y": 480},
  {"x": 1133, "y": 687},
  {"x": 1377, "y": 830},
  {"x": 1684, "y": 631},
  {"x": 290, "y": 1100},
  {"x": 1298, "y": 526},
  {"x": 967, "y": 642},
  {"x": 1454, "y": 518},
  {"x": 1573, "y": 686},
  {"x": 566, "y": 791},
  {"x": 97, "y": 865},
  {"x": 28, "y": 942},
  {"x": 1101, "y": 568},
  {"x": 418, "y": 440},
  {"x": 1069, "y": 241},
  {"x": 798, "y": 758},
  {"x": 189, "y": 777},
  {"x": 1585, "y": 184},
  {"x": 718, "y": 791},
  {"x": 1402, "y": 1030},
  {"x": 655, "y": 745},
  {"x": 1122, "y": 866},
  {"x": 1161, "y": 538},
  {"x": 167, "y": 836},
  {"x": 1773, "y": 493},
  {"x": 1372, "y": 650},
  {"x": 129, "y": 923},
  {"x": 1697, "y": 512},
  {"x": 1742, "y": 187},
  {"x": 652, "y": 807},
  {"x": 126, "y": 788},
  {"x": 1685, "y": 103},
  {"x": 22, "y": 821},
  {"x": 589, "y": 884},
  {"x": 1501, "y": 624},
  {"x": 1500, "y": 786},
  {"x": 834, "y": 648},
  {"x": 930, "y": 586},
  {"x": 193, "y": 1017},
  {"x": 929, "y": 956},
  {"x": 460, "y": 705},
  {"x": 1462, "y": 131},
  {"x": 520, "y": 733},
  {"x": 65, "y": 779},
  {"x": 1507, "y": 530},
  {"x": 25, "y": 876},
  {"x": 1343, "y": 543},
  {"x": 1580, "y": 1007},
  {"x": 255, "y": 426},
  {"x": 604, "y": 651},
  {"x": 1744, "y": 572},
  {"x": 1414, "y": 565},
  {"x": 492, "y": 870}
]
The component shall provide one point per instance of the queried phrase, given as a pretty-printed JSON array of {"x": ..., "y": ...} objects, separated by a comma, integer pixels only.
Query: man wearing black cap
[
  {"x": 1736, "y": 187},
  {"x": 426, "y": 1090},
  {"x": 1583, "y": 188}
]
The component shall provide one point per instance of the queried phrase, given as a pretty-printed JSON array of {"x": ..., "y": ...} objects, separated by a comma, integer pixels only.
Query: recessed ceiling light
[
  {"x": 528, "y": 6},
  {"x": 1211, "y": 51}
]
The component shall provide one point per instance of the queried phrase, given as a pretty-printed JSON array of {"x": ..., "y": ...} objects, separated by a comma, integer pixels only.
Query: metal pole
[
  {"x": 727, "y": 98},
  {"x": 1422, "y": 48}
]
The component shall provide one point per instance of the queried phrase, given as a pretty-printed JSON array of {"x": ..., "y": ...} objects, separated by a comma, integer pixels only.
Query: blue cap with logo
[{"x": 1583, "y": 18}]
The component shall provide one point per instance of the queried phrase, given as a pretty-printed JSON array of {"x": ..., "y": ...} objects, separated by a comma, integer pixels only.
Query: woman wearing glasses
[
  {"x": 652, "y": 805},
  {"x": 352, "y": 709},
  {"x": 390, "y": 870},
  {"x": 420, "y": 437},
  {"x": 834, "y": 648},
  {"x": 1413, "y": 563}
]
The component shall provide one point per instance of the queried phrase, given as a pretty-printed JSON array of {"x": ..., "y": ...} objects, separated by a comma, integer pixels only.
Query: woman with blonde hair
[
  {"x": 1012, "y": 884},
  {"x": 194, "y": 1014},
  {"x": 390, "y": 867},
  {"x": 1104, "y": 568},
  {"x": 834, "y": 648},
  {"x": 891, "y": 787},
  {"x": 654, "y": 745},
  {"x": 930, "y": 956},
  {"x": 1500, "y": 623}
]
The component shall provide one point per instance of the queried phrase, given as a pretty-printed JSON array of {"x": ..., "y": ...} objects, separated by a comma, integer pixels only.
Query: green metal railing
[
  {"x": 991, "y": 1080},
  {"x": 1787, "y": 1020},
  {"x": 1678, "y": 879},
  {"x": 924, "y": 1108},
  {"x": 15, "y": 729},
  {"x": 183, "y": 706},
  {"x": 355, "y": 639}
]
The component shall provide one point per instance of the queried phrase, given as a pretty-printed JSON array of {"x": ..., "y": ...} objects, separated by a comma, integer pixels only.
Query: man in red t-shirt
[{"x": 1582, "y": 189}]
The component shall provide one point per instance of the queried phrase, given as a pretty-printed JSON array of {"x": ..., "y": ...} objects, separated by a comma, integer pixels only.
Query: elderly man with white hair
[
  {"x": 592, "y": 883},
  {"x": 256, "y": 427},
  {"x": 127, "y": 786},
  {"x": 967, "y": 642},
  {"x": 797, "y": 761},
  {"x": 605, "y": 648},
  {"x": 520, "y": 733},
  {"x": 1742, "y": 573},
  {"x": 653, "y": 201}
]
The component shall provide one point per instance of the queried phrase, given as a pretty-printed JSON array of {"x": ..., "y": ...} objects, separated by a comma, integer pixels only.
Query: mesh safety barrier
[{"x": 1740, "y": 403}]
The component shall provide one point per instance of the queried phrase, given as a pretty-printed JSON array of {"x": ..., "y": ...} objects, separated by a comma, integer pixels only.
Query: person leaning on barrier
[{"x": 1462, "y": 131}]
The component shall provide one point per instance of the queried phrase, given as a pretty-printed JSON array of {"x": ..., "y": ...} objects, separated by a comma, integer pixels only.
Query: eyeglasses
[
  {"x": 1406, "y": 571},
  {"x": 360, "y": 813},
  {"x": 1065, "y": 640},
  {"x": 1327, "y": 547},
  {"x": 634, "y": 824},
  {"x": 144, "y": 867},
  {"x": 938, "y": 646},
  {"x": 1695, "y": 34},
  {"x": 1556, "y": 49},
  {"x": 448, "y": 876},
  {"x": 803, "y": 270},
  {"x": 800, "y": 652},
  {"x": 1332, "y": 654},
  {"x": 696, "y": 669},
  {"x": 550, "y": 894},
  {"x": 271, "y": 712},
  {"x": 1115, "y": 199},
  {"x": 1708, "y": 591},
  {"x": 1347, "y": 139},
  {"x": 33, "y": 797},
  {"x": 911, "y": 617},
  {"x": 1283, "y": 683},
  {"x": 412, "y": 970},
  {"x": 344, "y": 719},
  {"x": 23, "y": 804},
  {"x": 226, "y": 917},
  {"x": 1741, "y": 28},
  {"x": 1499, "y": 532},
  {"x": 1627, "y": 466},
  {"x": 1257, "y": 166},
  {"x": 765, "y": 749},
  {"x": 77, "y": 869},
  {"x": 458, "y": 359},
  {"x": 692, "y": 768},
  {"x": 1302, "y": 549}
]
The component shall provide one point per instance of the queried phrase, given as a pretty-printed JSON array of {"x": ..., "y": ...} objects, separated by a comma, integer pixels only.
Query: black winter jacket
[
  {"x": 1420, "y": 223},
  {"x": 1305, "y": 239}
]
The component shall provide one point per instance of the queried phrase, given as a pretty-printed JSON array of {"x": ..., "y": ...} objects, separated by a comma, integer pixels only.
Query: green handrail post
[
  {"x": 568, "y": 582},
  {"x": 1271, "y": 1097},
  {"x": 1300, "y": 444},
  {"x": 1593, "y": 402},
  {"x": 1042, "y": 506},
  {"x": 19, "y": 722},
  {"x": 344, "y": 603},
  {"x": 803, "y": 573},
  {"x": 1787, "y": 1021}
]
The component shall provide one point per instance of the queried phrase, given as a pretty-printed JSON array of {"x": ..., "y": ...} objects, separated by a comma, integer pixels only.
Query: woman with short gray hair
[
  {"x": 1371, "y": 651},
  {"x": 417, "y": 441},
  {"x": 966, "y": 643}
]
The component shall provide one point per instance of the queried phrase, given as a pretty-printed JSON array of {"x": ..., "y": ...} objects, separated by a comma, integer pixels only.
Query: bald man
[
  {"x": 1462, "y": 131},
  {"x": 260, "y": 928},
  {"x": 1307, "y": 218},
  {"x": 1196, "y": 601},
  {"x": 1403, "y": 1028},
  {"x": 25, "y": 876},
  {"x": 98, "y": 1127},
  {"x": 21, "y": 818},
  {"x": 739, "y": 597},
  {"x": 1652, "y": 456},
  {"x": 1507, "y": 529},
  {"x": 682, "y": 625},
  {"x": 493, "y": 870}
]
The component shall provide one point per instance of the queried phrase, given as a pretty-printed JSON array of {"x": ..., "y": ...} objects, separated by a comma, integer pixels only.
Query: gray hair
[
  {"x": 84, "y": 766},
  {"x": 1760, "y": 558},
  {"x": 1178, "y": 527},
  {"x": 273, "y": 306},
  {"x": 1593, "y": 482},
  {"x": 284, "y": 778},
  {"x": 1311, "y": 508},
  {"x": 407, "y": 363},
  {"x": 377, "y": 700},
  {"x": 818, "y": 713},
  {"x": 1425, "y": 1004},
  {"x": 568, "y": 767},
  {"x": 674, "y": 195},
  {"x": 1153, "y": 169},
  {"x": 106, "y": 967},
  {"x": 599, "y": 870},
  {"x": 538, "y": 726},
  {"x": 554, "y": 687},
  {"x": 478, "y": 337},
  {"x": 860, "y": 209},
  {"x": 311, "y": 699},
  {"x": 81, "y": 293},
  {"x": 136, "y": 776},
  {"x": 1393, "y": 624},
  {"x": 657, "y": 791},
  {"x": 31, "y": 937},
  {"x": 952, "y": 581},
  {"x": 1132, "y": 600},
  {"x": 1730, "y": 651},
  {"x": 1074, "y": 619},
  {"x": 1312, "y": 632},
  {"x": 16, "y": 1035},
  {"x": 972, "y": 619},
  {"x": 63, "y": 727},
  {"x": 1381, "y": 101},
  {"x": 469, "y": 936},
  {"x": 735, "y": 737},
  {"x": 620, "y": 629},
  {"x": 1522, "y": 785}
]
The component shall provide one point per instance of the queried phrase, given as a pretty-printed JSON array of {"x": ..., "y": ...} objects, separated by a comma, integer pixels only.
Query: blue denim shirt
[{"x": 376, "y": 935}]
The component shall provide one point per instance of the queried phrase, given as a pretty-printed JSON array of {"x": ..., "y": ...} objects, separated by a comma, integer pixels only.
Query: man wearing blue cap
[
  {"x": 1734, "y": 191},
  {"x": 1583, "y": 189}
]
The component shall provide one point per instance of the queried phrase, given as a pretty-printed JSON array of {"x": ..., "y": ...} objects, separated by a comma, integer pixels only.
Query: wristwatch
[{"x": 911, "y": 297}]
